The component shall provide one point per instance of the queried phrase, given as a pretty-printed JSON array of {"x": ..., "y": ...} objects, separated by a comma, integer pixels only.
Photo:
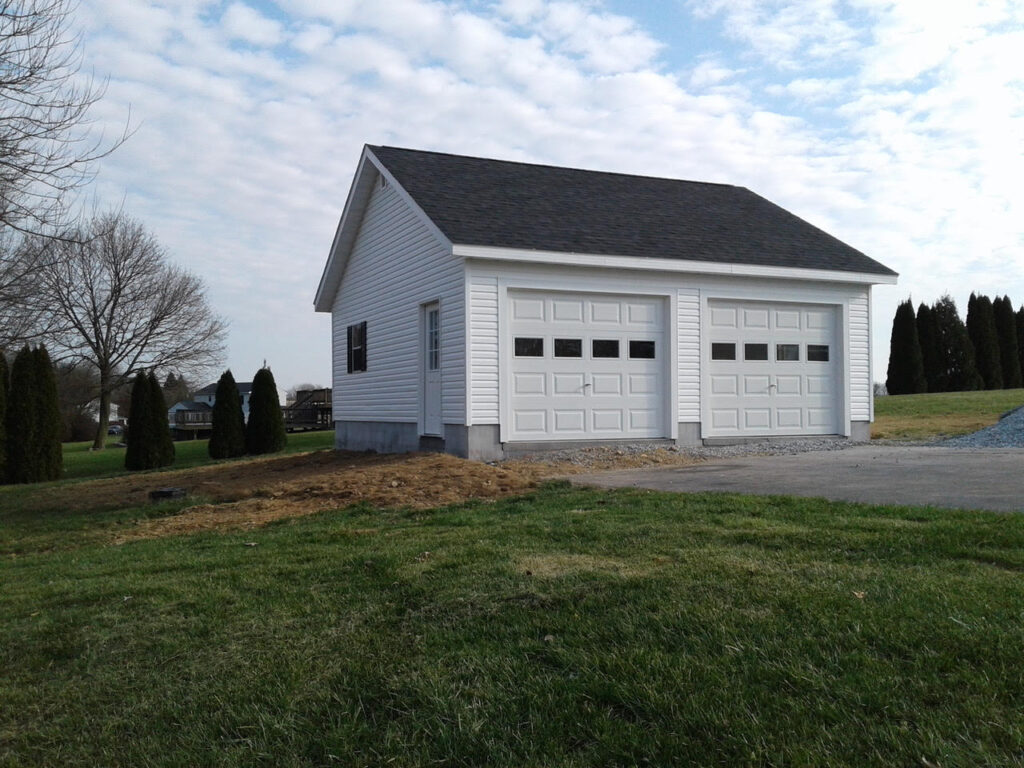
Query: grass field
[
  {"x": 80, "y": 462},
  {"x": 564, "y": 628},
  {"x": 945, "y": 414}
]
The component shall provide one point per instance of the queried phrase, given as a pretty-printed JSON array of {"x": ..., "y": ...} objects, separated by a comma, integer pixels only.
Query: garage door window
[
  {"x": 755, "y": 351},
  {"x": 568, "y": 347},
  {"x": 641, "y": 350},
  {"x": 529, "y": 347},
  {"x": 604, "y": 348},
  {"x": 817, "y": 353},
  {"x": 787, "y": 352},
  {"x": 722, "y": 351}
]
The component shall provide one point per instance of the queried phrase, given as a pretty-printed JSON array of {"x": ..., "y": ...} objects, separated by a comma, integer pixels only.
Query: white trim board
[{"x": 667, "y": 265}]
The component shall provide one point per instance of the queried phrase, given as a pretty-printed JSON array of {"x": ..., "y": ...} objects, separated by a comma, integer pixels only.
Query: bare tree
[
  {"x": 47, "y": 145},
  {"x": 120, "y": 306}
]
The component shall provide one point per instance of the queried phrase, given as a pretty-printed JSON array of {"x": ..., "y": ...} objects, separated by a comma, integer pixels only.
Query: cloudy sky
[{"x": 896, "y": 125}]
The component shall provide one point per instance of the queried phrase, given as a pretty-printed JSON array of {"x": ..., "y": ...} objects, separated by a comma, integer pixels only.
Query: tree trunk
[{"x": 104, "y": 415}]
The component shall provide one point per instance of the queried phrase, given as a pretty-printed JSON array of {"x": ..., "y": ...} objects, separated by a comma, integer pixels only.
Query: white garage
[
  {"x": 586, "y": 366},
  {"x": 485, "y": 307},
  {"x": 771, "y": 370}
]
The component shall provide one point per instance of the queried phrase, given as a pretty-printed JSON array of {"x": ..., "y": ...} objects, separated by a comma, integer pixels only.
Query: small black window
[
  {"x": 357, "y": 347},
  {"x": 568, "y": 347},
  {"x": 755, "y": 351},
  {"x": 641, "y": 350},
  {"x": 817, "y": 353},
  {"x": 723, "y": 351},
  {"x": 604, "y": 348},
  {"x": 527, "y": 346},
  {"x": 787, "y": 352}
]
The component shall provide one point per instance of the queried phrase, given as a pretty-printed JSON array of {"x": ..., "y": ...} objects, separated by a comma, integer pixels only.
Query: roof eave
[{"x": 670, "y": 265}]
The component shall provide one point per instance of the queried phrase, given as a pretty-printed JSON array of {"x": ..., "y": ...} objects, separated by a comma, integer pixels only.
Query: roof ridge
[{"x": 559, "y": 167}]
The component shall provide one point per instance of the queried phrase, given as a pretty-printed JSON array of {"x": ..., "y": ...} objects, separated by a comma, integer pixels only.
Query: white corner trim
[{"x": 667, "y": 265}]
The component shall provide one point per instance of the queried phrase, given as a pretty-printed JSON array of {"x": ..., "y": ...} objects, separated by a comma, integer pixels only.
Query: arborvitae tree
[
  {"x": 138, "y": 440},
  {"x": 265, "y": 431},
  {"x": 50, "y": 425},
  {"x": 928, "y": 337},
  {"x": 956, "y": 353},
  {"x": 981, "y": 327},
  {"x": 162, "y": 446},
  {"x": 228, "y": 436},
  {"x": 906, "y": 371},
  {"x": 21, "y": 423},
  {"x": 1020, "y": 339},
  {"x": 1006, "y": 332},
  {"x": 4, "y": 384}
]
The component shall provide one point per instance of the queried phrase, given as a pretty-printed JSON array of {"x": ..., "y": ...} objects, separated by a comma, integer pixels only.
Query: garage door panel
[
  {"x": 530, "y": 422},
  {"x": 566, "y": 311},
  {"x": 607, "y": 420},
  {"x": 529, "y": 384},
  {"x": 799, "y": 395},
  {"x": 582, "y": 394},
  {"x": 724, "y": 385},
  {"x": 788, "y": 385},
  {"x": 567, "y": 383},
  {"x": 789, "y": 418},
  {"x": 725, "y": 418},
  {"x": 528, "y": 309},
  {"x": 643, "y": 384},
  {"x": 641, "y": 419},
  {"x": 569, "y": 420},
  {"x": 787, "y": 320},
  {"x": 756, "y": 319},
  {"x": 606, "y": 312},
  {"x": 757, "y": 418}
]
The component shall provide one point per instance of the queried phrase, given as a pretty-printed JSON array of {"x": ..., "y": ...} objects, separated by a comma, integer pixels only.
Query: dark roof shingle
[{"x": 475, "y": 201}]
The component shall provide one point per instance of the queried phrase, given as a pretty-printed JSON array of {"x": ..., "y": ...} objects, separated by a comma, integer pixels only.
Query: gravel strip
[
  {"x": 1008, "y": 432},
  {"x": 603, "y": 454}
]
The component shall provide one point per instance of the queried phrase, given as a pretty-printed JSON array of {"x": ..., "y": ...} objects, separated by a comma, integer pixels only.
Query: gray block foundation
[
  {"x": 689, "y": 434},
  {"x": 380, "y": 436},
  {"x": 860, "y": 431}
]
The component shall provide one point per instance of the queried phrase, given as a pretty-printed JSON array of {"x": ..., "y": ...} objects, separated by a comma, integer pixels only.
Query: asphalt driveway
[{"x": 991, "y": 478}]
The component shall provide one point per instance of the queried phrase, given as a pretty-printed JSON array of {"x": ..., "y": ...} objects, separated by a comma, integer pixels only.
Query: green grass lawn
[
  {"x": 944, "y": 414},
  {"x": 565, "y": 628},
  {"x": 80, "y": 462}
]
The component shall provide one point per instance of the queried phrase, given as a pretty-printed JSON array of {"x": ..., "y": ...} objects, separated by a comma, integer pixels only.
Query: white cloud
[
  {"x": 242, "y": 22},
  {"x": 244, "y": 154}
]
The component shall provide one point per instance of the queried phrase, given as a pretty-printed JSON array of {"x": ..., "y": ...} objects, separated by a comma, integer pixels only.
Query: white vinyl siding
[
  {"x": 860, "y": 366},
  {"x": 483, "y": 349},
  {"x": 487, "y": 280},
  {"x": 688, "y": 353},
  {"x": 396, "y": 265}
]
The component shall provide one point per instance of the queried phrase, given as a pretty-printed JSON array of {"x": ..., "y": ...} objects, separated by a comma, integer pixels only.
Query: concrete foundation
[
  {"x": 689, "y": 434},
  {"x": 380, "y": 436},
  {"x": 479, "y": 442},
  {"x": 860, "y": 431}
]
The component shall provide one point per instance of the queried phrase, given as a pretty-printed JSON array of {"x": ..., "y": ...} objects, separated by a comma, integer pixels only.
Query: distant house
[
  {"x": 190, "y": 419},
  {"x": 481, "y": 306},
  {"x": 311, "y": 410}
]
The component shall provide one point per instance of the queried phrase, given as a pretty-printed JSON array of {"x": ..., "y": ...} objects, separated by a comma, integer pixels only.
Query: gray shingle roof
[
  {"x": 475, "y": 201},
  {"x": 244, "y": 387}
]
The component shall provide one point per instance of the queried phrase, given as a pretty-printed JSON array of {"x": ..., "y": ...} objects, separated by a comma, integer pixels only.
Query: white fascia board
[
  {"x": 336, "y": 260},
  {"x": 667, "y": 265},
  {"x": 367, "y": 172}
]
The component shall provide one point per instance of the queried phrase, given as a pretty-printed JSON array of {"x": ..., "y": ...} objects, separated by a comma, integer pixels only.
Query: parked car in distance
[{"x": 115, "y": 429}]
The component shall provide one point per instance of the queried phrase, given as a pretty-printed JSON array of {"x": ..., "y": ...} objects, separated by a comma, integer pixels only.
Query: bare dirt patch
[{"x": 250, "y": 493}]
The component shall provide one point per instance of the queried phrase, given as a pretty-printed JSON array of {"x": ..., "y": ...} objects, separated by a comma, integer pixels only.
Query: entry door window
[{"x": 433, "y": 339}]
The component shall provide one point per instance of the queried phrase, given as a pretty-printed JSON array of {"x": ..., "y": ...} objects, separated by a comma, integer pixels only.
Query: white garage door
[
  {"x": 770, "y": 369},
  {"x": 586, "y": 367}
]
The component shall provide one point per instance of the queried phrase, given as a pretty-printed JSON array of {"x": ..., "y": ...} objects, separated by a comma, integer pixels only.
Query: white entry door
[
  {"x": 432, "y": 369},
  {"x": 586, "y": 366},
  {"x": 771, "y": 369}
]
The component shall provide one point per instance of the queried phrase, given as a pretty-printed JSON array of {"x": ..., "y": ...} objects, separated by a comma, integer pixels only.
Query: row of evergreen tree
[
  {"x": 264, "y": 432},
  {"x": 30, "y": 420},
  {"x": 936, "y": 351},
  {"x": 148, "y": 444}
]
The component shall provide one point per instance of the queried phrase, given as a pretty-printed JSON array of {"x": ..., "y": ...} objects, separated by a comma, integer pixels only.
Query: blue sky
[{"x": 896, "y": 126}]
